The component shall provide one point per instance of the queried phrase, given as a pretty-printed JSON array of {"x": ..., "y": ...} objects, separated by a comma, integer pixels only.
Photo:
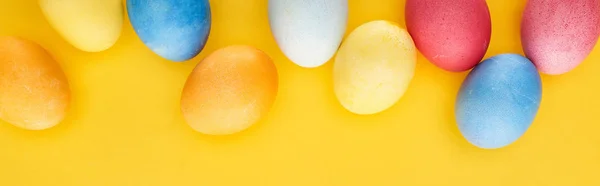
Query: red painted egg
[
  {"x": 452, "y": 34},
  {"x": 557, "y": 35}
]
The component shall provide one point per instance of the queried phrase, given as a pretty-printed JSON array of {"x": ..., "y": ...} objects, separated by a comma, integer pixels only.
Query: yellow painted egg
[
  {"x": 89, "y": 25},
  {"x": 34, "y": 92},
  {"x": 374, "y": 67},
  {"x": 230, "y": 90}
]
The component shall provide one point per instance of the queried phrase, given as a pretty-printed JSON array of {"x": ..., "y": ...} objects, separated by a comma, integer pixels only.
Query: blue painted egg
[
  {"x": 498, "y": 101},
  {"x": 176, "y": 30}
]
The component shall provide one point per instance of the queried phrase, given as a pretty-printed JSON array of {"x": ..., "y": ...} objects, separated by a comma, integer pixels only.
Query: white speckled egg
[{"x": 308, "y": 32}]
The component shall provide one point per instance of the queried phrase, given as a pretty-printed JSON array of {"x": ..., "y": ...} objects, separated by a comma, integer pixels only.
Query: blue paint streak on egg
[
  {"x": 176, "y": 30},
  {"x": 498, "y": 101}
]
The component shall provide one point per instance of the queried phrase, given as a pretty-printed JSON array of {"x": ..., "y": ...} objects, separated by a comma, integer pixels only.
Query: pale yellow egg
[
  {"x": 373, "y": 67},
  {"x": 89, "y": 25}
]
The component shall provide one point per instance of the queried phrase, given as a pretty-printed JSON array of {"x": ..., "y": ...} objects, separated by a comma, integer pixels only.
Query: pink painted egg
[
  {"x": 452, "y": 34},
  {"x": 557, "y": 35}
]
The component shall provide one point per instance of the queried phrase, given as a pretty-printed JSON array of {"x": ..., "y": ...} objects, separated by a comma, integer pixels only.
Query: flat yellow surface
[{"x": 125, "y": 127}]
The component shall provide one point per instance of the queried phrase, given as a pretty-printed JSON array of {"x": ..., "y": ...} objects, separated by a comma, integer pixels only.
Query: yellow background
[{"x": 125, "y": 127}]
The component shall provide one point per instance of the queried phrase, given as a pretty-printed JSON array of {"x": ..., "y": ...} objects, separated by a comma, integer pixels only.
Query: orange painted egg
[
  {"x": 230, "y": 90},
  {"x": 34, "y": 92}
]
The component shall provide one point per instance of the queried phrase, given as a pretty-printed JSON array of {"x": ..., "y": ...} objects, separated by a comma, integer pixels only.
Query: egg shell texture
[
  {"x": 557, "y": 35},
  {"x": 374, "y": 67},
  {"x": 498, "y": 101},
  {"x": 233, "y": 88},
  {"x": 174, "y": 29},
  {"x": 308, "y": 32},
  {"x": 89, "y": 25},
  {"x": 452, "y": 34},
  {"x": 34, "y": 92}
]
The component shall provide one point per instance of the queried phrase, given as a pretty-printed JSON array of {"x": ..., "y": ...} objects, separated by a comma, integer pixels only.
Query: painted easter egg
[
  {"x": 34, "y": 92},
  {"x": 230, "y": 90},
  {"x": 374, "y": 67},
  {"x": 176, "y": 30},
  {"x": 557, "y": 35},
  {"x": 89, "y": 25},
  {"x": 452, "y": 34},
  {"x": 308, "y": 32},
  {"x": 498, "y": 101}
]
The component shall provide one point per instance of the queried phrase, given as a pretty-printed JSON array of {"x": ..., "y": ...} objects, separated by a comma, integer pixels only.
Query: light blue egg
[
  {"x": 176, "y": 30},
  {"x": 498, "y": 101}
]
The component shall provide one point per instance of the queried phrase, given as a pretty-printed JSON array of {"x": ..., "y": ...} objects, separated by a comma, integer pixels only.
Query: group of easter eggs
[{"x": 234, "y": 87}]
